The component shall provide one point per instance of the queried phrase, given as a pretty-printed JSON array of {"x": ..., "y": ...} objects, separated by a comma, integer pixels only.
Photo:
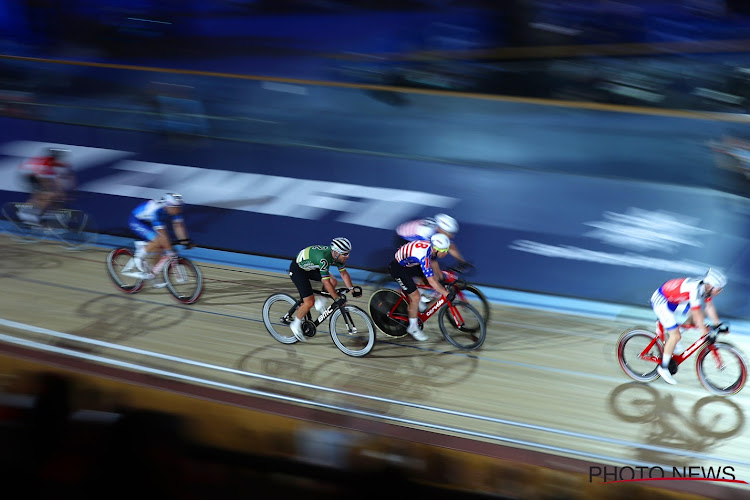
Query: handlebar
[{"x": 356, "y": 291}]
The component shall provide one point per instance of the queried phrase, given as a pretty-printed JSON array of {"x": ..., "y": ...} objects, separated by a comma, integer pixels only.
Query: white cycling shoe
[
  {"x": 417, "y": 334},
  {"x": 296, "y": 327},
  {"x": 666, "y": 375}
]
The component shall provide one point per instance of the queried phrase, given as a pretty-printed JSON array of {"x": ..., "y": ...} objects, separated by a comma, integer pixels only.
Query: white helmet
[
  {"x": 341, "y": 245},
  {"x": 715, "y": 279},
  {"x": 172, "y": 200},
  {"x": 440, "y": 242},
  {"x": 446, "y": 223}
]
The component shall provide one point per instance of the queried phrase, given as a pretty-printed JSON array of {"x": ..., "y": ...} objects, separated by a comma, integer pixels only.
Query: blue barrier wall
[{"x": 555, "y": 233}]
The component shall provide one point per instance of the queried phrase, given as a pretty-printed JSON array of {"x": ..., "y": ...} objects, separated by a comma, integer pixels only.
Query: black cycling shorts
[
  {"x": 404, "y": 276},
  {"x": 301, "y": 279}
]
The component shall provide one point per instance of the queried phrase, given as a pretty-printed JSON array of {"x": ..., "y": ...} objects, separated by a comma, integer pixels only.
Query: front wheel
[
  {"x": 278, "y": 312},
  {"x": 390, "y": 312},
  {"x": 465, "y": 329},
  {"x": 639, "y": 353},
  {"x": 721, "y": 369},
  {"x": 184, "y": 280},
  {"x": 74, "y": 228},
  {"x": 122, "y": 270},
  {"x": 352, "y": 331},
  {"x": 476, "y": 298}
]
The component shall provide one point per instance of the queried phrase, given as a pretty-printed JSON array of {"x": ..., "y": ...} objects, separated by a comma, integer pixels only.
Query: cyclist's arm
[
  {"x": 453, "y": 250},
  {"x": 435, "y": 284},
  {"x": 711, "y": 313},
  {"x": 180, "y": 230},
  {"x": 347, "y": 279},
  {"x": 163, "y": 238},
  {"x": 699, "y": 318}
]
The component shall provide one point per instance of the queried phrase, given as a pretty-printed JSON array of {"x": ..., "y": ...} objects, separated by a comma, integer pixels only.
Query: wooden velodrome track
[{"x": 542, "y": 381}]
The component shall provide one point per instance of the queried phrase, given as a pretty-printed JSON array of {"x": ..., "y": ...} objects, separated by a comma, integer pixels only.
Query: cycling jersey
[
  {"x": 41, "y": 166},
  {"x": 684, "y": 291},
  {"x": 416, "y": 253},
  {"x": 318, "y": 257},
  {"x": 420, "y": 229},
  {"x": 154, "y": 213}
]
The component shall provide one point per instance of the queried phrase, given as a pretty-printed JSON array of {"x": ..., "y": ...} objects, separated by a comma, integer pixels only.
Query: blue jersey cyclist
[
  {"x": 149, "y": 221},
  {"x": 418, "y": 259},
  {"x": 314, "y": 263}
]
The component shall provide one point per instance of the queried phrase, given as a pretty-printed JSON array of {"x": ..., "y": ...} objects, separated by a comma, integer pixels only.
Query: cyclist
[
  {"x": 418, "y": 259},
  {"x": 681, "y": 295},
  {"x": 148, "y": 220},
  {"x": 424, "y": 229},
  {"x": 49, "y": 179},
  {"x": 314, "y": 263}
]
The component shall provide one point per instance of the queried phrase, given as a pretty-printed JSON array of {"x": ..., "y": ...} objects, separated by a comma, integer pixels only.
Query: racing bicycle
[
  {"x": 350, "y": 327},
  {"x": 74, "y": 228},
  {"x": 183, "y": 279},
  {"x": 721, "y": 367},
  {"x": 465, "y": 291},
  {"x": 460, "y": 323}
]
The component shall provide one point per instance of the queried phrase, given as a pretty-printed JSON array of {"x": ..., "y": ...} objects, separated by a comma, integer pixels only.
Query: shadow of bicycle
[{"x": 708, "y": 422}]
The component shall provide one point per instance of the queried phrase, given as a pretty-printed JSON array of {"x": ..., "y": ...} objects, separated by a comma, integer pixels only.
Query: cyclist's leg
[
  {"x": 667, "y": 319},
  {"x": 301, "y": 280},
  {"x": 147, "y": 236},
  {"x": 405, "y": 280}
]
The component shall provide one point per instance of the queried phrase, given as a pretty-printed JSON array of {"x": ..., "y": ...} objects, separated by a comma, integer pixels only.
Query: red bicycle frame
[
  {"x": 694, "y": 347},
  {"x": 424, "y": 316}
]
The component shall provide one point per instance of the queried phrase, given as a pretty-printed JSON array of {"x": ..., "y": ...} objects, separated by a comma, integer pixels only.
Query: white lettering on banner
[
  {"x": 645, "y": 230},
  {"x": 267, "y": 194},
  {"x": 628, "y": 260}
]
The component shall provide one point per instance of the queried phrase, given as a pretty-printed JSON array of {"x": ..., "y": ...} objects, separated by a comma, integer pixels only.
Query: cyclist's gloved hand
[
  {"x": 189, "y": 243},
  {"x": 720, "y": 328},
  {"x": 451, "y": 295},
  {"x": 356, "y": 292},
  {"x": 340, "y": 302}
]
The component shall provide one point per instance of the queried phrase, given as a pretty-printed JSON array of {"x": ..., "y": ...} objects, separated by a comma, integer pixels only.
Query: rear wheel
[
  {"x": 19, "y": 229},
  {"x": 462, "y": 325},
  {"x": 392, "y": 322},
  {"x": 122, "y": 270},
  {"x": 278, "y": 311},
  {"x": 184, "y": 280},
  {"x": 352, "y": 331},
  {"x": 721, "y": 369},
  {"x": 639, "y": 353}
]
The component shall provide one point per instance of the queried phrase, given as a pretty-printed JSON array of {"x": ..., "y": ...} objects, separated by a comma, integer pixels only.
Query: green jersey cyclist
[{"x": 314, "y": 263}]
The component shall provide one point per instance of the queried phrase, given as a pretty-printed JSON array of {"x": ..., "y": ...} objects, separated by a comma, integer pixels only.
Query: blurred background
[{"x": 630, "y": 98}]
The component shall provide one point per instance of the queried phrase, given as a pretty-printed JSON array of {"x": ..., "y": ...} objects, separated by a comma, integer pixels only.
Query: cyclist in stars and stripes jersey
[{"x": 418, "y": 259}]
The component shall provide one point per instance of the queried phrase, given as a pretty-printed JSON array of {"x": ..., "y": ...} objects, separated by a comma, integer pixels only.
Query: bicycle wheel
[
  {"x": 721, "y": 369},
  {"x": 122, "y": 270},
  {"x": 76, "y": 229},
  {"x": 381, "y": 304},
  {"x": 352, "y": 331},
  {"x": 639, "y": 354},
  {"x": 473, "y": 296},
  {"x": 467, "y": 330},
  {"x": 278, "y": 310},
  {"x": 184, "y": 280},
  {"x": 19, "y": 229}
]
